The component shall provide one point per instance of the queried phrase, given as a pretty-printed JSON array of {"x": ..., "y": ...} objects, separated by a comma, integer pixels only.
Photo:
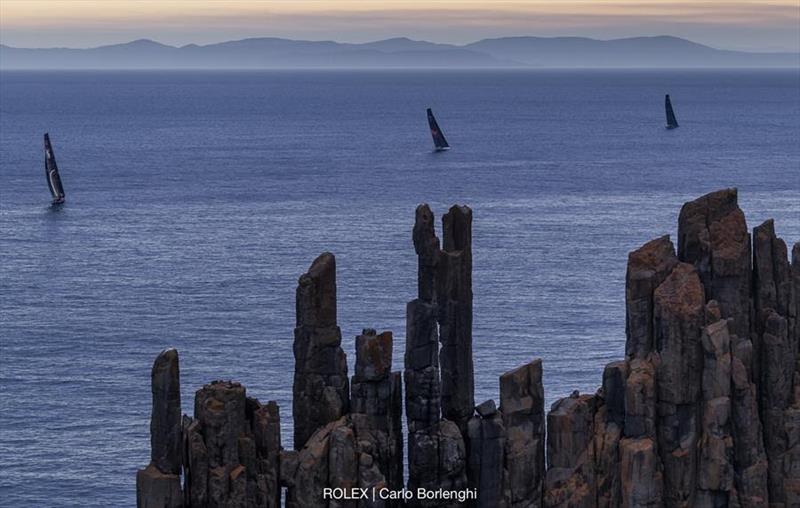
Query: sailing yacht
[
  {"x": 51, "y": 172},
  {"x": 672, "y": 122},
  {"x": 439, "y": 140}
]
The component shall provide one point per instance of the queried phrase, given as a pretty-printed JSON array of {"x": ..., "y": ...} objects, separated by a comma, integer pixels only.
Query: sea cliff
[{"x": 703, "y": 411}]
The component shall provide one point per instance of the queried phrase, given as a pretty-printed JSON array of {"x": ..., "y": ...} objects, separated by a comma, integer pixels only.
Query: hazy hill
[
  {"x": 270, "y": 52},
  {"x": 662, "y": 51}
]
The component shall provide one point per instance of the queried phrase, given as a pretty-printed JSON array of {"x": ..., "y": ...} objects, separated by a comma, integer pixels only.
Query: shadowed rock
[
  {"x": 377, "y": 393},
  {"x": 642, "y": 480},
  {"x": 438, "y": 457},
  {"x": 776, "y": 348},
  {"x": 570, "y": 479},
  {"x": 609, "y": 424},
  {"x": 155, "y": 489},
  {"x": 522, "y": 408},
  {"x": 648, "y": 266},
  {"x": 640, "y": 400},
  {"x": 165, "y": 422},
  {"x": 422, "y": 366},
  {"x": 715, "y": 481},
  {"x": 703, "y": 412},
  {"x": 426, "y": 244},
  {"x": 454, "y": 299},
  {"x": 713, "y": 236},
  {"x": 321, "y": 392},
  {"x": 486, "y": 451},
  {"x": 443, "y": 311},
  {"x": 679, "y": 312}
]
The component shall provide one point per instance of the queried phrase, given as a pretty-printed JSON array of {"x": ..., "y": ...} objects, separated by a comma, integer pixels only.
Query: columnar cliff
[{"x": 703, "y": 411}]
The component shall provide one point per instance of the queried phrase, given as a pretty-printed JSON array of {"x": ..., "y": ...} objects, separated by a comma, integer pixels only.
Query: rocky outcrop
[
  {"x": 679, "y": 313},
  {"x": 487, "y": 438},
  {"x": 377, "y": 393},
  {"x": 648, "y": 266},
  {"x": 522, "y": 408},
  {"x": 777, "y": 344},
  {"x": 715, "y": 471},
  {"x": 159, "y": 484},
  {"x": 609, "y": 424},
  {"x": 570, "y": 480},
  {"x": 454, "y": 299},
  {"x": 703, "y": 411},
  {"x": 347, "y": 454},
  {"x": 321, "y": 393},
  {"x": 228, "y": 453},
  {"x": 437, "y": 451},
  {"x": 709, "y": 387},
  {"x": 232, "y": 449},
  {"x": 712, "y": 236}
]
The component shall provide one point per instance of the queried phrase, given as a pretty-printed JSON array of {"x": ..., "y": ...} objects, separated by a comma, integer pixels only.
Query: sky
[{"x": 757, "y": 25}]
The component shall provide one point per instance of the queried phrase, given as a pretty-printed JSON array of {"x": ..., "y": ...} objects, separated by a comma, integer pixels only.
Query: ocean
[{"x": 195, "y": 200}]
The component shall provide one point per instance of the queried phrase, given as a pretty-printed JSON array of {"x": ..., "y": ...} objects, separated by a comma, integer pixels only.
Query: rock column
[
  {"x": 679, "y": 314},
  {"x": 436, "y": 447},
  {"x": 377, "y": 393},
  {"x": 454, "y": 298},
  {"x": 774, "y": 331},
  {"x": 486, "y": 453},
  {"x": 522, "y": 408},
  {"x": 321, "y": 392},
  {"x": 715, "y": 473},
  {"x": 570, "y": 480},
  {"x": 159, "y": 484}
]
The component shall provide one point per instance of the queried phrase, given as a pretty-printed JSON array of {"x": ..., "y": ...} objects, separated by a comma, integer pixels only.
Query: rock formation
[
  {"x": 436, "y": 446},
  {"x": 703, "y": 411},
  {"x": 321, "y": 393},
  {"x": 486, "y": 453},
  {"x": 454, "y": 299},
  {"x": 522, "y": 408},
  {"x": 159, "y": 484}
]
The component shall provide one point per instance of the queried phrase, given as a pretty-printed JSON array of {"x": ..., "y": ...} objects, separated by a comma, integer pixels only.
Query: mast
[
  {"x": 672, "y": 122},
  {"x": 51, "y": 171},
  {"x": 438, "y": 137}
]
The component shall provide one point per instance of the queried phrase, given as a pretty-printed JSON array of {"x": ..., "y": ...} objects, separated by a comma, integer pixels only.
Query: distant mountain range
[{"x": 520, "y": 52}]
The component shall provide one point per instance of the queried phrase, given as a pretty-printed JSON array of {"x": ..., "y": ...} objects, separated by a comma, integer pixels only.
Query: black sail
[
  {"x": 672, "y": 122},
  {"x": 51, "y": 172},
  {"x": 438, "y": 137}
]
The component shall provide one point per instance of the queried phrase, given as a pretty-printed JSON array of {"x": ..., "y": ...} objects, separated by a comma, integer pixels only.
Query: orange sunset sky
[{"x": 768, "y": 25}]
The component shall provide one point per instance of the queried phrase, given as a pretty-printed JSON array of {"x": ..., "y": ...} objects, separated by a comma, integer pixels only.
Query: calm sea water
[{"x": 195, "y": 200}]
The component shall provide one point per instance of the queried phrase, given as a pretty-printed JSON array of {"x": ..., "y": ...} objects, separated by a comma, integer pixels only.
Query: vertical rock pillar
[
  {"x": 436, "y": 449},
  {"x": 159, "y": 484},
  {"x": 712, "y": 236},
  {"x": 486, "y": 451},
  {"x": 454, "y": 298},
  {"x": 679, "y": 313},
  {"x": 715, "y": 474},
  {"x": 774, "y": 331},
  {"x": 522, "y": 408},
  {"x": 321, "y": 391},
  {"x": 377, "y": 393}
]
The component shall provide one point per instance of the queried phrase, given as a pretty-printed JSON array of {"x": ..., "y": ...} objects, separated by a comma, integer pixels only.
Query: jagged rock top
[
  {"x": 681, "y": 292},
  {"x": 457, "y": 224},
  {"x": 656, "y": 256},
  {"x": 710, "y": 207},
  {"x": 424, "y": 235},
  {"x": 714, "y": 219},
  {"x": 316, "y": 293}
]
